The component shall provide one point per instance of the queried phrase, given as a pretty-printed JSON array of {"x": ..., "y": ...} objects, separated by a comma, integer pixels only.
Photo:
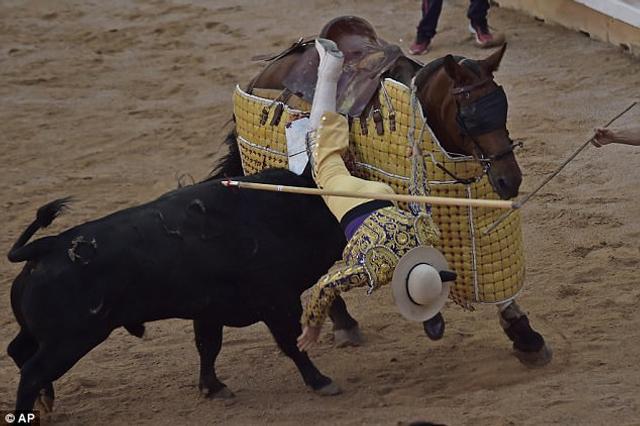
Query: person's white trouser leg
[{"x": 329, "y": 70}]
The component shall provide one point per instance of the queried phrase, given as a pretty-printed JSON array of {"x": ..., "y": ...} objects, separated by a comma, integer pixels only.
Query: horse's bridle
[
  {"x": 487, "y": 113},
  {"x": 483, "y": 115}
]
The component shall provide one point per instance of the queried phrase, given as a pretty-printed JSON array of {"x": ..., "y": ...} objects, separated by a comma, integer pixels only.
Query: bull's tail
[{"x": 46, "y": 214}]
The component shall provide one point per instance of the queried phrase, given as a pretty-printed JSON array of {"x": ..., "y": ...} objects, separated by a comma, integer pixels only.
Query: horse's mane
[{"x": 230, "y": 164}]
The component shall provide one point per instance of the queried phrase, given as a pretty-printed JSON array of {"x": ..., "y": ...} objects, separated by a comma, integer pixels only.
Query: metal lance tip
[{"x": 229, "y": 183}]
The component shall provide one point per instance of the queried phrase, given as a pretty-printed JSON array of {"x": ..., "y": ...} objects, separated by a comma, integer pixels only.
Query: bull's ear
[
  {"x": 492, "y": 63},
  {"x": 453, "y": 70}
]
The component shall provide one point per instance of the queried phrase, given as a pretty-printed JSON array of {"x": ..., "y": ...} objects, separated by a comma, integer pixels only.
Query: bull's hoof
[
  {"x": 535, "y": 359},
  {"x": 222, "y": 393},
  {"x": 44, "y": 403},
  {"x": 347, "y": 337},
  {"x": 329, "y": 390}
]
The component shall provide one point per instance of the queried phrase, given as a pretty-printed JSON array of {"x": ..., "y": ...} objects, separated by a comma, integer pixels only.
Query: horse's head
[{"x": 467, "y": 111}]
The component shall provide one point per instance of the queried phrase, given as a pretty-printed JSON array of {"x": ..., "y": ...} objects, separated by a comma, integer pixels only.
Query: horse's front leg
[
  {"x": 346, "y": 331},
  {"x": 528, "y": 345}
]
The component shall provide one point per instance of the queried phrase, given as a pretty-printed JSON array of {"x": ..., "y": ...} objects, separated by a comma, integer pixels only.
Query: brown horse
[
  {"x": 457, "y": 101},
  {"x": 464, "y": 106},
  {"x": 467, "y": 111}
]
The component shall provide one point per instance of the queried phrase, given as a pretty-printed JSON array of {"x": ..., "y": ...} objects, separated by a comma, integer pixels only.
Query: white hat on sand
[{"x": 417, "y": 288}]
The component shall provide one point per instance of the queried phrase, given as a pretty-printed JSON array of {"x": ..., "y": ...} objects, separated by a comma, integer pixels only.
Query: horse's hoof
[
  {"x": 347, "y": 337},
  {"x": 535, "y": 359},
  {"x": 222, "y": 393},
  {"x": 44, "y": 403},
  {"x": 329, "y": 390}
]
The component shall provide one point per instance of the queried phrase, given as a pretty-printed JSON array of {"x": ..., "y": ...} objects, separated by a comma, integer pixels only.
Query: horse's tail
[
  {"x": 45, "y": 215},
  {"x": 230, "y": 164}
]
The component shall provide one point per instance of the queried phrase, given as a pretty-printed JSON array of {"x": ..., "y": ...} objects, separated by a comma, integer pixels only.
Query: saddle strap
[
  {"x": 277, "y": 114},
  {"x": 299, "y": 44},
  {"x": 376, "y": 114},
  {"x": 279, "y": 102},
  {"x": 374, "y": 110},
  {"x": 272, "y": 57},
  {"x": 363, "y": 122}
]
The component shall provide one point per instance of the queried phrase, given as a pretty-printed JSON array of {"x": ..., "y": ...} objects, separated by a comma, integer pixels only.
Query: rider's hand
[{"x": 308, "y": 338}]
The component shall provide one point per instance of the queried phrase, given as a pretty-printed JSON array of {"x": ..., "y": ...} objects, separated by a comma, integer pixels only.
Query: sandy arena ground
[{"x": 111, "y": 101}]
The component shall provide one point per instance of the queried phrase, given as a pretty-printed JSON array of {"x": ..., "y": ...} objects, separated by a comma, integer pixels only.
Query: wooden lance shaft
[{"x": 440, "y": 201}]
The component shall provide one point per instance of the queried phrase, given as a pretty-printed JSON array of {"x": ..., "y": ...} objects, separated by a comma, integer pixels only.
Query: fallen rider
[{"x": 386, "y": 244}]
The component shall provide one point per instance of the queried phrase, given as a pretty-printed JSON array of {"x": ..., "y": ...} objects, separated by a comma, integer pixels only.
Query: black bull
[{"x": 219, "y": 256}]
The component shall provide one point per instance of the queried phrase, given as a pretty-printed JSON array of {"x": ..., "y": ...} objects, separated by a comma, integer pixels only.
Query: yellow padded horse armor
[{"x": 490, "y": 267}]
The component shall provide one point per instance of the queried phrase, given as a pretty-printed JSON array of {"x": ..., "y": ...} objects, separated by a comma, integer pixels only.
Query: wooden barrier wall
[{"x": 613, "y": 21}]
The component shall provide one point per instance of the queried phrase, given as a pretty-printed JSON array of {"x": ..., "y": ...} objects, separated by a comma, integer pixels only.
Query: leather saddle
[{"x": 367, "y": 58}]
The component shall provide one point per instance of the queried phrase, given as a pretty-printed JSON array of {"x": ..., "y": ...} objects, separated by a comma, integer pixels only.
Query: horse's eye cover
[{"x": 485, "y": 114}]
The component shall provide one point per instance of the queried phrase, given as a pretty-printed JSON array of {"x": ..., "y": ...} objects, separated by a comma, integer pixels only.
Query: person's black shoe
[{"x": 434, "y": 327}]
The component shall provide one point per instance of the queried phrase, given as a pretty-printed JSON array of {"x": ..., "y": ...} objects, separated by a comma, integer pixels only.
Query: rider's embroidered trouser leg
[{"x": 373, "y": 251}]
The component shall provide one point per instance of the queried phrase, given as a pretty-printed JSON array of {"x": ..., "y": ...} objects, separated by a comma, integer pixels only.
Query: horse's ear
[
  {"x": 453, "y": 70},
  {"x": 492, "y": 63}
]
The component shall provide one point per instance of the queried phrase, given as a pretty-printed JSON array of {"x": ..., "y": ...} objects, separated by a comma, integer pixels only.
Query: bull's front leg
[
  {"x": 528, "y": 345},
  {"x": 208, "y": 336},
  {"x": 284, "y": 324}
]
